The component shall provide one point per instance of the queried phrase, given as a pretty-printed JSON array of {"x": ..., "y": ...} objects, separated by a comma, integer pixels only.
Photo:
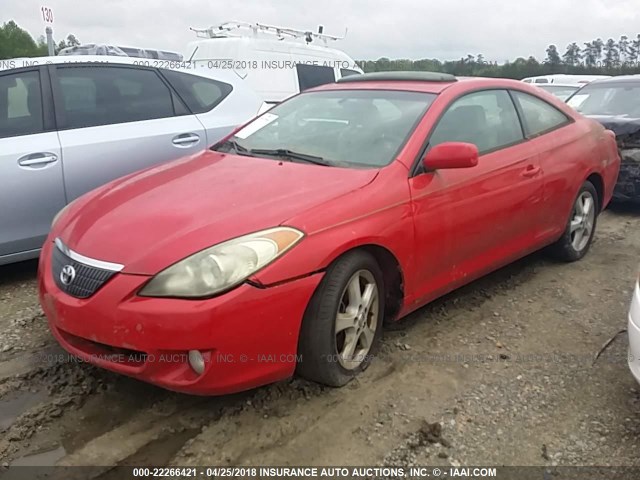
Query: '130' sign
[{"x": 47, "y": 15}]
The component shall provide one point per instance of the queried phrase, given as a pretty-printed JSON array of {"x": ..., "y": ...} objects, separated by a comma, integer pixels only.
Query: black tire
[
  {"x": 565, "y": 249},
  {"x": 318, "y": 342}
]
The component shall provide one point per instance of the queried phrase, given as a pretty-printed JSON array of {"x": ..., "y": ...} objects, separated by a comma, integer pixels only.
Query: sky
[{"x": 499, "y": 29}]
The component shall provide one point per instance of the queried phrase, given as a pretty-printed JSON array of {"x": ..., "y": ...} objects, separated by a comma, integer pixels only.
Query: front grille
[{"x": 87, "y": 279}]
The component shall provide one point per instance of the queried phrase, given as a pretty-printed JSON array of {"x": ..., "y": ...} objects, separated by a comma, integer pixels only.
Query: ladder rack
[{"x": 224, "y": 30}]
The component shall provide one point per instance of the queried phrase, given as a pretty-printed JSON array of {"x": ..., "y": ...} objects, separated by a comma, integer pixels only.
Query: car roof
[
  {"x": 402, "y": 81},
  {"x": 227, "y": 76},
  {"x": 617, "y": 79}
]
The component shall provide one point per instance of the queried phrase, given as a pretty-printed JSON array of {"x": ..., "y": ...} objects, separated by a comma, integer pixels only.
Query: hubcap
[
  {"x": 584, "y": 214},
  {"x": 357, "y": 319}
]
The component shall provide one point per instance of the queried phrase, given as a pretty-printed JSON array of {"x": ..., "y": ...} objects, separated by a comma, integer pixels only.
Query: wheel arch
[
  {"x": 393, "y": 276},
  {"x": 597, "y": 181}
]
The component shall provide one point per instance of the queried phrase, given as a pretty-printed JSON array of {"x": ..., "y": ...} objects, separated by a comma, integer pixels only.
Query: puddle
[
  {"x": 43, "y": 459},
  {"x": 15, "y": 404}
]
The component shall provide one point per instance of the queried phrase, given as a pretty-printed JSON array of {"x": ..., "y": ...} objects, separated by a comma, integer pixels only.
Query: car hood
[
  {"x": 152, "y": 219},
  {"x": 626, "y": 128}
]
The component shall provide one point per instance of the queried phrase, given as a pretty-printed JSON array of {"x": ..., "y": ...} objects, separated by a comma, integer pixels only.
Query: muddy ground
[{"x": 504, "y": 366}]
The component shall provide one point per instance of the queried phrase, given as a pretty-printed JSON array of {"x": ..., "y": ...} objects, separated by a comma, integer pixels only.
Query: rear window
[
  {"x": 310, "y": 76},
  {"x": 200, "y": 94}
]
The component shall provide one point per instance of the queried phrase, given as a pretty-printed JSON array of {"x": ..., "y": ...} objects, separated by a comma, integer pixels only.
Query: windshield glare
[
  {"x": 349, "y": 128},
  {"x": 611, "y": 99}
]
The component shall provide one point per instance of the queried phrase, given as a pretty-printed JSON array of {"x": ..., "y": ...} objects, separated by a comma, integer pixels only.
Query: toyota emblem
[{"x": 67, "y": 275}]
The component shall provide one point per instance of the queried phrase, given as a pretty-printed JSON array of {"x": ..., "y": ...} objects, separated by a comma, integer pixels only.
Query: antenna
[{"x": 225, "y": 29}]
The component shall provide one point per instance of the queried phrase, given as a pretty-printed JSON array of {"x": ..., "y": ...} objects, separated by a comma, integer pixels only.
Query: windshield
[
  {"x": 608, "y": 99},
  {"x": 348, "y": 128},
  {"x": 561, "y": 91}
]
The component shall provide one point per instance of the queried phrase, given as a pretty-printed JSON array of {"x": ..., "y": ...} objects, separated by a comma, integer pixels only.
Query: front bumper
[
  {"x": 249, "y": 336},
  {"x": 634, "y": 334}
]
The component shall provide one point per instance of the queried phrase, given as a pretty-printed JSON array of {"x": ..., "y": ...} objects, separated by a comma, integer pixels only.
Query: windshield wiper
[{"x": 283, "y": 152}]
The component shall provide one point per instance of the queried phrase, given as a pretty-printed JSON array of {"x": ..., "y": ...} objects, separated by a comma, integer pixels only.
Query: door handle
[
  {"x": 186, "y": 139},
  {"x": 531, "y": 171},
  {"x": 36, "y": 159}
]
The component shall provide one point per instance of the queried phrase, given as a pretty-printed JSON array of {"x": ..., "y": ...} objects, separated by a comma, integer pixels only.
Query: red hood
[{"x": 152, "y": 219}]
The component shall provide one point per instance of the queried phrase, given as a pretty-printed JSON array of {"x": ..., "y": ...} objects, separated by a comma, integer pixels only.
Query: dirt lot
[{"x": 505, "y": 366}]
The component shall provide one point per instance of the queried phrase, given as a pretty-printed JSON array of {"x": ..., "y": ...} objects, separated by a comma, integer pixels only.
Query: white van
[
  {"x": 276, "y": 62},
  {"x": 565, "y": 79}
]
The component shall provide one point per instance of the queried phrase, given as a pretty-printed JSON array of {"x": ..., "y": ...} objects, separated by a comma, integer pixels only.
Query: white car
[
  {"x": 70, "y": 124},
  {"x": 560, "y": 90},
  {"x": 566, "y": 79},
  {"x": 633, "y": 330}
]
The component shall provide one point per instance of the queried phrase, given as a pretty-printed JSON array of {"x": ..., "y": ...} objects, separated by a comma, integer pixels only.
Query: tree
[
  {"x": 623, "y": 47},
  {"x": 553, "y": 58},
  {"x": 572, "y": 56},
  {"x": 589, "y": 54},
  {"x": 72, "y": 41},
  {"x": 611, "y": 54},
  {"x": 16, "y": 42}
]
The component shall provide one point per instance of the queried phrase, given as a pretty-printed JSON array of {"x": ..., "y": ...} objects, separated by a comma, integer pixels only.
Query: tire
[
  {"x": 578, "y": 235},
  {"x": 322, "y": 347}
]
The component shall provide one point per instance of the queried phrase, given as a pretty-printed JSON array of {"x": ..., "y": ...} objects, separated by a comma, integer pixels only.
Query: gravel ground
[{"x": 499, "y": 372}]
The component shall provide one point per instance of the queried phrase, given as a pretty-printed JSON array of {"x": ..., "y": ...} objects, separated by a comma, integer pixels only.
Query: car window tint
[
  {"x": 538, "y": 115},
  {"x": 108, "y": 95},
  {"x": 20, "y": 104},
  {"x": 200, "y": 94},
  {"x": 488, "y": 119},
  {"x": 310, "y": 76}
]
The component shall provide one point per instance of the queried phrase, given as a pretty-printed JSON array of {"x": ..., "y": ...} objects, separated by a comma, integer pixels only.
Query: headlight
[{"x": 223, "y": 266}]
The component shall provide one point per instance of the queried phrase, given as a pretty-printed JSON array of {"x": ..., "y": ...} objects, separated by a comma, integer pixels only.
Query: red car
[{"x": 284, "y": 247}]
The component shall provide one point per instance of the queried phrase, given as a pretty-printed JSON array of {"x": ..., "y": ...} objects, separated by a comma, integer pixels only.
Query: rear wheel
[
  {"x": 343, "y": 321},
  {"x": 578, "y": 235}
]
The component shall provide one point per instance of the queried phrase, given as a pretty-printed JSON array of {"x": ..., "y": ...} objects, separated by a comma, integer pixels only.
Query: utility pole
[{"x": 49, "y": 32}]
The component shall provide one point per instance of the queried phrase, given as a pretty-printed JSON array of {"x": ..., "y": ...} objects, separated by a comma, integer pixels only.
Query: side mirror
[{"x": 451, "y": 155}]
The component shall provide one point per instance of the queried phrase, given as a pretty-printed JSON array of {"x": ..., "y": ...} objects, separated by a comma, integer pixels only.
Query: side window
[
  {"x": 347, "y": 72},
  {"x": 20, "y": 104},
  {"x": 310, "y": 76},
  {"x": 200, "y": 94},
  {"x": 488, "y": 119},
  {"x": 539, "y": 116},
  {"x": 101, "y": 95}
]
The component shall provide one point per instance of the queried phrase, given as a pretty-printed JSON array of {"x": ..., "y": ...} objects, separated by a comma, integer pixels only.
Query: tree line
[
  {"x": 597, "y": 57},
  {"x": 16, "y": 42}
]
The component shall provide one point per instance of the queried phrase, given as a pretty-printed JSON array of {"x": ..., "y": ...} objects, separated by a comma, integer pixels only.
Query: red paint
[{"x": 445, "y": 228}]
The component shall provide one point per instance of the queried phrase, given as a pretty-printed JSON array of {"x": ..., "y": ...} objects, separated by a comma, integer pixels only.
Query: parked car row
[{"x": 286, "y": 245}]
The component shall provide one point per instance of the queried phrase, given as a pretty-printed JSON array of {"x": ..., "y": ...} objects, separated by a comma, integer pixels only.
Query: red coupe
[{"x": 286, "y": 246}]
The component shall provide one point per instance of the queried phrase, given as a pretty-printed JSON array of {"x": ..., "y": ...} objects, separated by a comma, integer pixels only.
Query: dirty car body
[
  {"x": 615, "y": 103},
  {"x": 288, "y": 243}
]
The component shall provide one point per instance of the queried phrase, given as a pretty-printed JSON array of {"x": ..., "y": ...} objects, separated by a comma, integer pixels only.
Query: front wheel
[
  {"x": 343, "y": 321},
  {"x": 581, "y": 226}
]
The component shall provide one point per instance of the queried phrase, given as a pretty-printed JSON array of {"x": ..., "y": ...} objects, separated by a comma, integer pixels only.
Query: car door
[
  {"x": 117, "y": 119},
  {"x": 558, "y": 157},
  {"x": 30, "y": 168},
  {"x": 484, "y": 215}
]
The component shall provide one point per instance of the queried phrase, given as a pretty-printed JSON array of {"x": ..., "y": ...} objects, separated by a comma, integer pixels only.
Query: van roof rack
[
  {"x": 399, "y": 76},
  {"x": 224, "y": 30}
]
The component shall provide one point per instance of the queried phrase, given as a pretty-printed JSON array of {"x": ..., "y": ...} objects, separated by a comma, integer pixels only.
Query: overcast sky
[{"x": 499, "y": 29}]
